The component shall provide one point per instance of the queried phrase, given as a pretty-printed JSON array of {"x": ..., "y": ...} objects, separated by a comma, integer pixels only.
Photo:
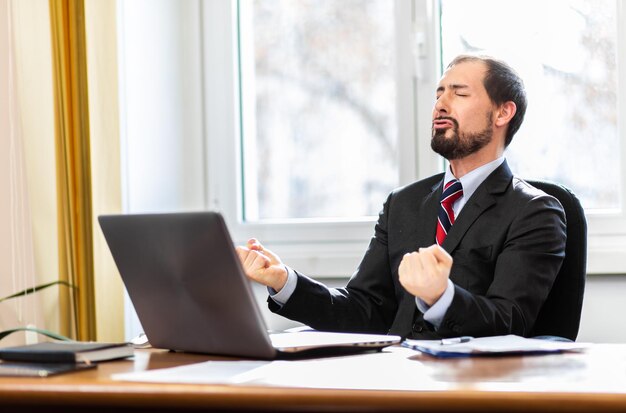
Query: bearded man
[{"x": 472, "y": 251}]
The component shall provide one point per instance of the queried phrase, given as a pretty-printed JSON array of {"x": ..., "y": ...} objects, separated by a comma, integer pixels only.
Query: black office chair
[{"x": 560, "y": 314}]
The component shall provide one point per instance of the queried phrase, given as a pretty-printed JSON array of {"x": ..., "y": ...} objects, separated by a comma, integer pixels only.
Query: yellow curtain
[{"x": 69, "y": 61}]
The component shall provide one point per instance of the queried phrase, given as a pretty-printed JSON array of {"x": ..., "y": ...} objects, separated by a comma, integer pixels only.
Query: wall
[
  {"x": 603, "y": 309},
  {"x": 161, "y": 110}
]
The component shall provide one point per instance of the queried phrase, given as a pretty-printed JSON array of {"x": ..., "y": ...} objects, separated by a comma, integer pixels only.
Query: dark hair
[{"x": 503, "y": 84}]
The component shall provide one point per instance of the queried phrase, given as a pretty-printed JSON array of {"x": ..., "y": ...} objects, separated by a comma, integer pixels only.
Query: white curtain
[{"x": 17, "y": 265}]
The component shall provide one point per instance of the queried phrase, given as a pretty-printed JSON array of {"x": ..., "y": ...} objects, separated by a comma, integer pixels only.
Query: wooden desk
[{"x": 590, "y": 381}]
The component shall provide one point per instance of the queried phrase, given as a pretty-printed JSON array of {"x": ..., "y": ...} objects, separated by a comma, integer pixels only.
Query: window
[
  {"x": 318, "y": 108},
  {"x": 318, "y": 93}
]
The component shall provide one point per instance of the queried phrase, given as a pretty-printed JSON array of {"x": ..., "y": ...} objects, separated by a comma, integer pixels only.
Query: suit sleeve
[
  {"x": 366, "y": 304},
  {"x": 525, "y": 270}
]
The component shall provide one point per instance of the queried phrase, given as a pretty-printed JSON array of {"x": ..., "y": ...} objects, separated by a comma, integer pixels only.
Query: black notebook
[
  {"x": 26, "y": 369},
  {"x": 67, "y": 352}
]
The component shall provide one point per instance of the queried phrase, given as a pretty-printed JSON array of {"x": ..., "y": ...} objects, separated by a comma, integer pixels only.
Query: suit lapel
[
  {"x": 427, "y": 222},
  {"x": 425, "y": 236},
  {"x": 483, "y": 198}
]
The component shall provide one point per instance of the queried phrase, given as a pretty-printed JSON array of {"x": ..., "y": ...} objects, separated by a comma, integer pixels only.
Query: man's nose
[{"x": 441, "y": 107}]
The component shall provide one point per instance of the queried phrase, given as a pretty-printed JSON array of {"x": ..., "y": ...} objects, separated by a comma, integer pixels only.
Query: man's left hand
[{"x": 425, "y": 273}]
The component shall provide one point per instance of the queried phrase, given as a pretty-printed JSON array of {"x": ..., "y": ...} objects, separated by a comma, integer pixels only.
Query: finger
[
  {"x": 241, "y": 250},
  {"x": 275, "y": 259},
  {"x": 402, "y": 267},
  {"x": 411, "y": 267},
  {"x": 404, "y": 264},
  {"x": 441, "y": 255},
  {"x": 415, "y": 260},
  {"x": 261, "y": 262},
  {"x": 428, "y": 260},
  {"x": 402, "y": 273},
  {"x": 247, "y": 261},
  {"x": 254, "y": 244},
  {"x": 251, "y": 262},
  {"x": 242, "y": 253},
  {"x": 408, "y": 257}
]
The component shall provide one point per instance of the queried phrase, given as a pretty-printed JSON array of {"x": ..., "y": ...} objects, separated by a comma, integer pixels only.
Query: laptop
[{"x": 185, "y": 280}]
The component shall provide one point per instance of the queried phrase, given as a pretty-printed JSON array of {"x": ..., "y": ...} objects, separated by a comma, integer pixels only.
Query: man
[{"x": 479, "y": 262}]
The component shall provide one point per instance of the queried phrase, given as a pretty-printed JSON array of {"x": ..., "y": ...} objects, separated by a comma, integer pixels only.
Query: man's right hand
[{"x": 262, "y": 265}]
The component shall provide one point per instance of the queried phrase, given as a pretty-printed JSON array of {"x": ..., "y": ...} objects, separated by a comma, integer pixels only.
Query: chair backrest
[{"x": 560, "y": 314}]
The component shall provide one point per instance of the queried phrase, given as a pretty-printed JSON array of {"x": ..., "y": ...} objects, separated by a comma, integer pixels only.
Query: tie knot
[{"x": 451, "y": 192}]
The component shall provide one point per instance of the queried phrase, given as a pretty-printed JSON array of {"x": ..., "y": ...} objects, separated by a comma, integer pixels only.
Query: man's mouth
[{"x": 440, "y": 123}]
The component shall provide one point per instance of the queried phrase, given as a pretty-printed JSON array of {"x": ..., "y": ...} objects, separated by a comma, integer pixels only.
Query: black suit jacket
[{"x": 507, "y": 243}]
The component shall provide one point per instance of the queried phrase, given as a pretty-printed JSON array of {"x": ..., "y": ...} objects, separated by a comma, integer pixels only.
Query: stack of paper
[{"x": 491, "y": 346}]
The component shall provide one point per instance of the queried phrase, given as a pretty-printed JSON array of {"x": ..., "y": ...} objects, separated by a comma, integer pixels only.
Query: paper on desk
[
  {"x": 391, "y": 366},
  {"x": 210, "y": 372},
  {"x": 504, "y": 345}
]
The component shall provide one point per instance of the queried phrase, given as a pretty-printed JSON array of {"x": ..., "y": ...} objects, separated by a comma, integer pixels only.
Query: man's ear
[{"x": 505, "y": 113}]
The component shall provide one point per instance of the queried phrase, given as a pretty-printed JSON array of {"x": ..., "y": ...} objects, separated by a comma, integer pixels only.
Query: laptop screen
[{"x": 186, "y": 283}]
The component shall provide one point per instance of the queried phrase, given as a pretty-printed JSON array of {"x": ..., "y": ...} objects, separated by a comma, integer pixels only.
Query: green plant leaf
[
  {"x": 41, "y": 331},
  {"x": 36, "y": 288}
]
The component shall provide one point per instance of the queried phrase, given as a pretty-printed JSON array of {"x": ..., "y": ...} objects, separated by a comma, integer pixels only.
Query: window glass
[
  {"x": 319, "y": 124},
  {"x": 565, "y": 50}
]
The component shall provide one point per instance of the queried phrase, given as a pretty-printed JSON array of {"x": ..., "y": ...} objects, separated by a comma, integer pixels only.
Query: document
[
  {"x": 385, "y": 370},
  {"x": 491, "y": 346},
  {"x": 403, "y": 369}
]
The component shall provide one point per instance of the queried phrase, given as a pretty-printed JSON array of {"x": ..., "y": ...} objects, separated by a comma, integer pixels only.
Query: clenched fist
[
  {"x": 262, "y": 265},
  {"x": 425, "y": 273}
]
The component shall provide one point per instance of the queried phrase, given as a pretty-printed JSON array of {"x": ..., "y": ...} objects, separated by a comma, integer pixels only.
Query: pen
[{"x": 455, "y": 340}]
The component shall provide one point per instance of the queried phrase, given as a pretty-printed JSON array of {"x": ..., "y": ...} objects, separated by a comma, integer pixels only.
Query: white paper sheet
[
  {"x": 210, "y": 372},
  {"x": 385, "y": 370}
]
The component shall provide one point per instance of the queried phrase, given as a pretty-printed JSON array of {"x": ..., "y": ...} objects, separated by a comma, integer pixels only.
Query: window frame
[{"x": 331, "y": 248}]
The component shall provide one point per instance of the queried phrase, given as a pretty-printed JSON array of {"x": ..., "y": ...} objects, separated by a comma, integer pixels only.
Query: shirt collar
[{"x": 472, "y": 180}]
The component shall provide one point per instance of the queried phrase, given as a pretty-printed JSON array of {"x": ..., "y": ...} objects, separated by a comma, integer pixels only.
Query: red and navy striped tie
[{"x": 452, "y": 191}]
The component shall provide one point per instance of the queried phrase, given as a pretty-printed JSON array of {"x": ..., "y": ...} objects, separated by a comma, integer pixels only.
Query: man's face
[{"x": 462, "y": 116}]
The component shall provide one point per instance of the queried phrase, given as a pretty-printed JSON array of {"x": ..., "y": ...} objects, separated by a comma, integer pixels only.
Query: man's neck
[{"x": 463, "y": 166}]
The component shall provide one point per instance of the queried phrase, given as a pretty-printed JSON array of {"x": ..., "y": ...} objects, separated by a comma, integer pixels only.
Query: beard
[{"x": 460, "y": 144}]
